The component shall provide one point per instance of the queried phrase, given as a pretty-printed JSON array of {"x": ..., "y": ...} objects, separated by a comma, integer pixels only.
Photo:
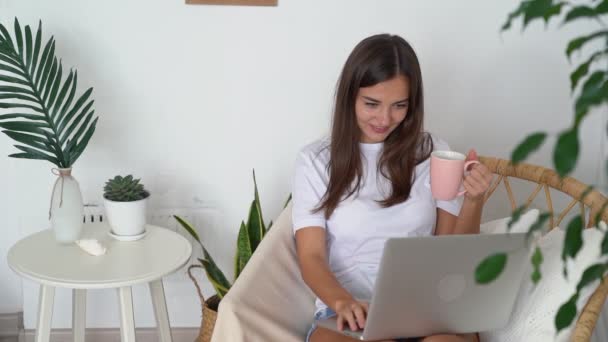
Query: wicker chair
[
  {"x": 593, "y": 203},
  {"x": 270, "y": 302}
]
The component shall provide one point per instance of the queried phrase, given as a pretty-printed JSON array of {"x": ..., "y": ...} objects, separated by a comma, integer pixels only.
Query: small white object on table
[
  {"x": 40, "y": 258},
  {"x": 91, "y": 246}
]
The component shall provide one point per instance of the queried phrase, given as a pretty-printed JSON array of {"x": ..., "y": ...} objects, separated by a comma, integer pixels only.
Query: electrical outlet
[{"x": 93, "y": 213}]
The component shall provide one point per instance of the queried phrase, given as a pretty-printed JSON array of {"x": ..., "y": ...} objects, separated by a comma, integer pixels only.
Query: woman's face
[{"x": 381, "y": 108}]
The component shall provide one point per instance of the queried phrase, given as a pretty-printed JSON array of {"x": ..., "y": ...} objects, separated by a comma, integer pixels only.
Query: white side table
[{"x": 40, "y": 258}]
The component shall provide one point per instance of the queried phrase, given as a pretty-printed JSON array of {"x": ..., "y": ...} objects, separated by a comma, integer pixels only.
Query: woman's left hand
[{"x": 478, "y": 180}]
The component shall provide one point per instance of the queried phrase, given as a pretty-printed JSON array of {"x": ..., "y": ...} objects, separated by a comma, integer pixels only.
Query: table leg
[
  {"x": 79, "y": 314},
  {"x": 46, "y": 298},
  {"x": 160, "y": 310},
  {"x": 127, "y": 322}
]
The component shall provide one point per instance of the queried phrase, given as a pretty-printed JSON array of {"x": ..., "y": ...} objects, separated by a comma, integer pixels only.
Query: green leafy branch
[
  {"x": 249, "y": 238},
  {"x": 593, "y": 75},
  {"x": 39, "y": 108}
]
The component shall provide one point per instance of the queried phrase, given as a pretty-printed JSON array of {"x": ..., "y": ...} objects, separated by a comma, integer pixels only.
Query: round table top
[{"x": 42, "y": 259}]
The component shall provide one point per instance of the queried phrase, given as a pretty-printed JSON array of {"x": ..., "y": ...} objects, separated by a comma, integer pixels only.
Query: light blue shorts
[
  {"x": 319, "y": 315},
  {"x": 327, "y": 313}
]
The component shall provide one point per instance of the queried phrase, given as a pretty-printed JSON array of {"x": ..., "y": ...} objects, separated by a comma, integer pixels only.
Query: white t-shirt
[{"x": 359, "y": 226}]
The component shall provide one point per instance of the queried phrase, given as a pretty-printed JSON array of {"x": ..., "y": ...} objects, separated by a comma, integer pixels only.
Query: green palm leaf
[
  {"x": 66, "y": 86},
  {"x": 47, "y": 76},
  {"x": 64, "y": 133},
  {"x": 36, "y": 100},
  {"x": 28, "y": 47},
  {"x": 35, "y": 154},
  {"x": 25, "y": 126},
  {"x": 18, "y": 90},
  {"x": 9, "y": 79},
  {"x": 49, "y": 50},
  {"x": 82, "y": 143},
  {"x": 19, "y": 37},
  {"x": 5, "y": 36},
  {"x": 12, "y": 70},
  {"x": 31, "y": 140},
  {"x": 25, "y": 116},
  {"x": 37, "y": 44},
  {"x": 54, "y": 87},
  {"x": 17, "y": 97}
]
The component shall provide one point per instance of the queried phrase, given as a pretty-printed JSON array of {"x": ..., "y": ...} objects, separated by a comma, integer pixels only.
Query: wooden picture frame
[{"x": 234, "y": 2}]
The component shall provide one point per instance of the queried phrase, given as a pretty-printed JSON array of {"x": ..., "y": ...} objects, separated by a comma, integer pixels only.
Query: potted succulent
[
  {"x": 42, "y": 111},
  {"x": 125, "y": 203},
  {"x": 250, "y": 235}
]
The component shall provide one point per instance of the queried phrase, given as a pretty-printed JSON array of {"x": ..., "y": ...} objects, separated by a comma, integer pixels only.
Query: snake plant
[
  {"x": 250, "y": 235},
  {"x": 39, "y": 108}
]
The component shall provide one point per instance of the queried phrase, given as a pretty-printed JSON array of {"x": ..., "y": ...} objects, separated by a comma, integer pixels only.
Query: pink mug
[{"x": 447, "y": 172}]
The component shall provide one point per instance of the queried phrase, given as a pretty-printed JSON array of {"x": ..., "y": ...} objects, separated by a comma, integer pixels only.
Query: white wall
[
  {"x": 10, "y": 285},
  {"x": 191, "y": 98}
]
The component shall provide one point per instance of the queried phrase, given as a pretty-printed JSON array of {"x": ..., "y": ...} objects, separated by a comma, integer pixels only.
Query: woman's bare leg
[
  {"x": 451, "y": 338},
  {"x": 326, "y": 335}
]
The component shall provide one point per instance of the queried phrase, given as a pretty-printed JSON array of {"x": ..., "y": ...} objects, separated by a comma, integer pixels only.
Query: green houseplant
[
  {"x": 43, "y": 113},
  {"x": 249, "y": 237},
  {"x": 125, "y": 200},
  {"x": 589, "y": 85},
  {"x": 40, "y": 111},
  {"x": 124, "y": 189}
]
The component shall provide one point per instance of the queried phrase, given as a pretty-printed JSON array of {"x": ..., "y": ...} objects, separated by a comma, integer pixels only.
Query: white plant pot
[{"x": 126, "y": 218}]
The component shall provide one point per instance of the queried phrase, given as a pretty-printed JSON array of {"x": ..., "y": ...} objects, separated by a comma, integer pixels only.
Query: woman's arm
[
  {"x": 467, "y": 222},
  {"x": 312, "y": 256}
]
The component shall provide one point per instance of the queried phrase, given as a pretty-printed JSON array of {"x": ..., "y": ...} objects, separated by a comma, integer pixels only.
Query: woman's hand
[
  {"x": 478, "y": 181},
  {"x": 351, "y": 312}
]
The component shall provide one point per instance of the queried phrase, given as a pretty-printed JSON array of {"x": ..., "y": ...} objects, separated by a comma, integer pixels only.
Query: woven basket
[{"x": 209, "y": 310}]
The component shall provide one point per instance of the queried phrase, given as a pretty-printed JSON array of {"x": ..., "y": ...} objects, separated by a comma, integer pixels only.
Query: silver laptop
[{"x": 426, "y": 286}]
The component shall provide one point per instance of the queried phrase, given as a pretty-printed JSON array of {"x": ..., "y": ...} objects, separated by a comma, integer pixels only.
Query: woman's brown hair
[{"x": 376, "y": 59}]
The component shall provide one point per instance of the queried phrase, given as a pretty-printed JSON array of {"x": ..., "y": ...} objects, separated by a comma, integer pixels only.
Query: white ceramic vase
[
  {"x": 126, "y": 218},
  {"x": 67, "y": 210}
]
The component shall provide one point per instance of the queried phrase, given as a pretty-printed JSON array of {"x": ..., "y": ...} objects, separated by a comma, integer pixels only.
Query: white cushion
[
  {"x": 500, "y": 225},
  {"x": 536, "y": 306},
  {"x": 269, "y": 301}
]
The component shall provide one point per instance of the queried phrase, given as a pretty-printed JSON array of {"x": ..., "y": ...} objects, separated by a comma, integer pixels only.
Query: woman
[{"x": 370, "y": 181}]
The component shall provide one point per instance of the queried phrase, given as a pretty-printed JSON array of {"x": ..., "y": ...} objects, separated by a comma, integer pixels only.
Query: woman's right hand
[{"x": 351, "y": 312}]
